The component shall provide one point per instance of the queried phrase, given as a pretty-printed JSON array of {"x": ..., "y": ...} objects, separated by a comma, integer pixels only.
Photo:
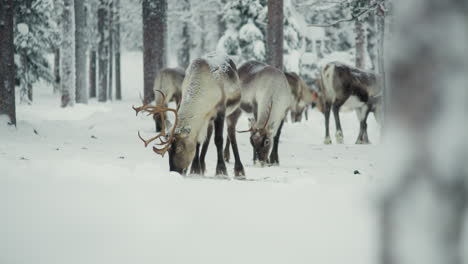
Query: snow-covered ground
[{"x": 77, "y": 186}]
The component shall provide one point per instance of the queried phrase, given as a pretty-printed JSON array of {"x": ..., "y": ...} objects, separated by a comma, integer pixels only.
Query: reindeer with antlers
[
  {"x": 210, "y": 92},
  {"x": 266, "y": 94}
]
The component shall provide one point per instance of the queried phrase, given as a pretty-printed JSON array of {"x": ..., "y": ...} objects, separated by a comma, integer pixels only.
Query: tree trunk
[
  {"x": 154, "y": 43},
  {"x": 118, "y": 81},
  {"x": 56, "y": 70},
  {"x": 103, "y": 50},
  {"x": 360, "y": 44},
  {"x": 111, "y": 49},
  {"x": 92, "y": 73},
  {"x": 7, "y": 63},
  {"x": 274, "y": 45},
  {"x": 221, "y": 23},
  {"x": 372, "y": 39},
  {"x": 424, "y": 208},
  {"x": 67, "y": 58},
  {"x": 81, "y": 48},
  {"x": 183, "y": 53}
]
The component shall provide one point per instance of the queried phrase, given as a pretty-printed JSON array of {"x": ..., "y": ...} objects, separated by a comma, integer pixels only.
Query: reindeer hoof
[
  {"x": 327, "y": 141},
  {"x": 339, "y": 137},
  {"x": 362, "y": 142},
  {"x": 239, "y": 171},
  {"x": 196, "y": 170},
  {"x": 221, "y": 169}
]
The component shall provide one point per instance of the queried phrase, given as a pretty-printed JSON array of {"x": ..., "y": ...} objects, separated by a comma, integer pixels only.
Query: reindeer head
[
  {"x": 181, "y": 151},
  {"x": 261, "y": 139}
]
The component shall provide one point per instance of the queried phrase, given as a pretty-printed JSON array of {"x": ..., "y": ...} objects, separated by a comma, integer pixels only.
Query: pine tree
[
  {"x": 154, "y": 43},
  {"x": 81, "y": 48},
  {"x": 103, "y": 50},
  {"x": 183, "y": 49},
  {"x": 7, "y": 64},
  {"x": 118, "y": 80},
  {"x": 111, "y": 49},
  {"x": 67, "y": 58},
  {"x": 35, "y": 37},
  {"x": 274, "y": 44}
]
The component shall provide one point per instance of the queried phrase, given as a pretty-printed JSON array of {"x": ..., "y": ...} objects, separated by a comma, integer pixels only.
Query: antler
[
  {"x": 252, "y": 129},
  {"x": 155, "y": 110}
]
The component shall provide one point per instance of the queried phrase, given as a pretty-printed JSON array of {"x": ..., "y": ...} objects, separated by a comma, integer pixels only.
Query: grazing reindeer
[
  {"x": 169, "y": 82},
  {"x": 303, "y": 96},
  {"x": 357, "y": 89},
  {"x": 266, "y": 94},
  {"x": 210, "y": 91}
]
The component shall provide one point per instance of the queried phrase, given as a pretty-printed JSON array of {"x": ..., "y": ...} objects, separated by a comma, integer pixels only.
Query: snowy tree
[
  {"x": 111, "y": 50},
  {"x": 7, "y": 64},
  {"x": 67, "y": 58},
  {"x": 423, "y": 212},
  {"x": 118, "y": 81},
  {"x": 35, "y": 34},
  {"x": 154, "y": 43},
  {"x": 184, "y": 44},
  {"x": 103, "y": 50},
  {"x": 274, "y": 44},
  {"x": 251, "y": 42},
  {"x": 93, "y": 37},
  {"x": 81, "y": 48}
]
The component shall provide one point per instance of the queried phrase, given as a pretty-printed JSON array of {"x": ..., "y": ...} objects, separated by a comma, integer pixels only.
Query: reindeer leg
[
  {"x": 232, "y": 122},
  {"x": 218, "y": 126},
  {"x": 362, "y": 114},
  {"x": 274, "y": 158},
  {"x": 205, "y": 148},
  {"x": 336, "y": 113},
  {"x": 306, "y": 112},
  {"x": 326, "y": 112},
  {"x": 196, "y": 168},
  {"x": 227, "y": 153}
]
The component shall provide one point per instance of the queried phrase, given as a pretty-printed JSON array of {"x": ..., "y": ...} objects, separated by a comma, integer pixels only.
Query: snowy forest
[{"x": 233, "y": 131}]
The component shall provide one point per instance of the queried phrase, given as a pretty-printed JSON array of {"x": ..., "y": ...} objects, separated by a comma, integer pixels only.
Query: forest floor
[{"x": 78, "y": 186}]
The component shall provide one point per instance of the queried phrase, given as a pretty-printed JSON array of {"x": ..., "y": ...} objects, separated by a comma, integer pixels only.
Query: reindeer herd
[{"x": 213, "y": 91}]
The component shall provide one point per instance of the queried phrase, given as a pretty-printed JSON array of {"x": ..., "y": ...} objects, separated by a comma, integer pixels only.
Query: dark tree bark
[
  {"x": 67, "y": 63},
  {"x": 183, "y": 54},
  {"x": 118, "y": 81},
  {"x": 111, "y": 49},
  {"x": 154, "y": 43},
  {"x": 92, "y": 73},
  {"x": 57, "y": 70},
  {"x": 423, "y": 213},
  {"x": 360, "y": 44},
  {"x": 103, "y": 49},
  {"x": 274, "y": 45},
  {"x": 81, "y": 48},
  {"x": 7, "y": 63}
]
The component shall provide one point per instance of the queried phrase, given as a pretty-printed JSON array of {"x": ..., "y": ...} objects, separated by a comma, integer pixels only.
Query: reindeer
[
  {"x": 356, "y": 89},
  {"x": 303, "y": 96},
  {"x": 210, "y": 91},
  {"x": 169, "y": 82},
  {"x": 266, "y": 94}
]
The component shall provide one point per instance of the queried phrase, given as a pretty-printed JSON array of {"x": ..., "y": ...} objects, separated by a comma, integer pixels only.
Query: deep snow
[{"x": 78, "y": 186}]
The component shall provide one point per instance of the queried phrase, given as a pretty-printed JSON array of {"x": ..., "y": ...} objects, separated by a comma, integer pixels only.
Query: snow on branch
[{"x": 352, "y": 18}]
